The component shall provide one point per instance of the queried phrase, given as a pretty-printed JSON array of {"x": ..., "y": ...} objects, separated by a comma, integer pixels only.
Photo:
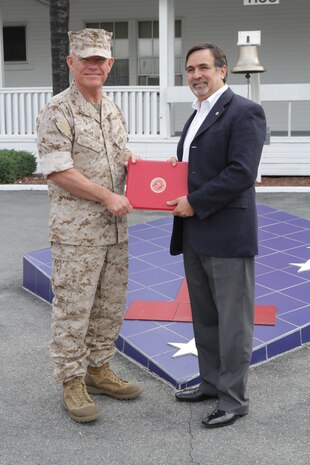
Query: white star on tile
[
  {"x": 303, "y": 266},
  {"x": 185, "y": 348}
]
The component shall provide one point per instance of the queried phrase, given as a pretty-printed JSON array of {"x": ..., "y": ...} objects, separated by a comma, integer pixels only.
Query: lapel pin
[{"x": 217, "y": 113}]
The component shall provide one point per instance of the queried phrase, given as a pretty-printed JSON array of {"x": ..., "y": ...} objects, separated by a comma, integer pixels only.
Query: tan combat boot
[
  {"x": 77, "y": 401},
  {"x": 102, "y": 380}
]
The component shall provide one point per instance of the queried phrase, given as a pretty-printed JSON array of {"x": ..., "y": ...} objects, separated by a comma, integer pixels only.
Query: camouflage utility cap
[{"x": 90, "y": 43}]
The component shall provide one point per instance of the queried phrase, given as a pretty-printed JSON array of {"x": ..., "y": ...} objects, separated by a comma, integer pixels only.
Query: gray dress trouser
[{"x": 222, "y": 299}]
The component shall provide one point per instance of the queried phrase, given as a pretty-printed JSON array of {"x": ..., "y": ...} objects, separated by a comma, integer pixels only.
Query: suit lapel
[{"x": 215, "y": 112}]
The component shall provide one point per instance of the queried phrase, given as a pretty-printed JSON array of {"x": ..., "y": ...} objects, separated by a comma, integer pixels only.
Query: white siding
[
  {"x": 285, "y": 50},
  {"x": 280, "y": 158}
]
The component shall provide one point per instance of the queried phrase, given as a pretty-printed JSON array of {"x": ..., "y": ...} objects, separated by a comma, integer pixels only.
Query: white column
[
  {"x": 1, "y": 52},
  {"x": 166, "y": 62},
  {"x": 255, "y": 96},
  {"x": 255, "y": 87}
]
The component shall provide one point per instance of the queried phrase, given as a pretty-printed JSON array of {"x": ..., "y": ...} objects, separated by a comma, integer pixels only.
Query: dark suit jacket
[{"x": 223, "y": 162}]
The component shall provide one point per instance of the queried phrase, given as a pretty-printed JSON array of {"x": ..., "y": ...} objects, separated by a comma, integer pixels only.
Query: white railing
[
  {"x": 19, "y": 108},
  {"x": 140, "y": 104},
  {"x": 279, "y": 101}
]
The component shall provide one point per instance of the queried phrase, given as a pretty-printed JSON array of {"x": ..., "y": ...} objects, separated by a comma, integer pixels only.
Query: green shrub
[{"x": 15, "y": 165}]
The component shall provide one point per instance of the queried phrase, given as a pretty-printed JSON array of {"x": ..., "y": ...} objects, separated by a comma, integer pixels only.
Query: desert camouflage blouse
[{"x": 71, "y": 133}]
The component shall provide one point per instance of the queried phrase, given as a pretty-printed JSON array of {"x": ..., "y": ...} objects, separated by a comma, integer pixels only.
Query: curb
[
  {"x": 271, "y": 189},
  {"x": 266, "y": 189},
  {"x": 23, "y": 187}
]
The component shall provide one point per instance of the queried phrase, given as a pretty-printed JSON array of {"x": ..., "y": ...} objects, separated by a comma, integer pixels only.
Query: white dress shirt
[{"x": 203, "y": 108}]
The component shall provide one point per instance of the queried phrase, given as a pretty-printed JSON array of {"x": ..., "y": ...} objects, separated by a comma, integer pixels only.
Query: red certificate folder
[{"x": 150, "y": 184}]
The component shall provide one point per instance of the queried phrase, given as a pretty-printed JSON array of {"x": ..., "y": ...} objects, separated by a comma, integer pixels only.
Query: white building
[{"x": 151, "y": 38}]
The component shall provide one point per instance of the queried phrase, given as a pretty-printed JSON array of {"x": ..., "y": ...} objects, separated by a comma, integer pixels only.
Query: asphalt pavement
[{"x": 154, "y": 429}]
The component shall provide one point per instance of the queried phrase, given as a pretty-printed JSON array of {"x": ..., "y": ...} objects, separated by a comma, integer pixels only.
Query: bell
[{"x": 248, "y": 61}]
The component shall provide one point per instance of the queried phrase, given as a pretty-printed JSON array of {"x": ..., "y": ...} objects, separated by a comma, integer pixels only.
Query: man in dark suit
[{"x": 215, "y": 226}]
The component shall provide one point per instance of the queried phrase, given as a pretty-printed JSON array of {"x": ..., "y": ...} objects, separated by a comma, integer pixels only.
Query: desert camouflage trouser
[{"x": 90, "y": 287}]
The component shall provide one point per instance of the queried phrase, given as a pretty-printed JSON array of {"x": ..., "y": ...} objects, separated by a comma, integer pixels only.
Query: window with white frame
[
  {"x": 119, "y": 75},
  {"x": 14, "y": 44},
  {"x": 145, "y": 56},
  {"x": 148, "y": 53}
]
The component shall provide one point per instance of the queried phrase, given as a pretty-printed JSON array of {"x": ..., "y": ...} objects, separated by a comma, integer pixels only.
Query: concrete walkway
[{"x": 154, "y": 429}]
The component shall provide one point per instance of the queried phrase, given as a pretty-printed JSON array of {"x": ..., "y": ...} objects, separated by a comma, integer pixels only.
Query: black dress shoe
[
  {"x": 220, "y": 418},
  {"x": 192, "y": 395}
]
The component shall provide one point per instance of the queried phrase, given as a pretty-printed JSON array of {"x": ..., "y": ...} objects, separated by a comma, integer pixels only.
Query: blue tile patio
[{"x": 284, "y": 243}]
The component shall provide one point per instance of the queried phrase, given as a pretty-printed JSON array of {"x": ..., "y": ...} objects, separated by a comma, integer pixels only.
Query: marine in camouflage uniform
[{"x": 89, "y": 241}]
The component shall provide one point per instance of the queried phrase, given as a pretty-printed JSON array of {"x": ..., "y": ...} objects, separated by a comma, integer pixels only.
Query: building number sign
[{"x": 261, "y": 2}]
